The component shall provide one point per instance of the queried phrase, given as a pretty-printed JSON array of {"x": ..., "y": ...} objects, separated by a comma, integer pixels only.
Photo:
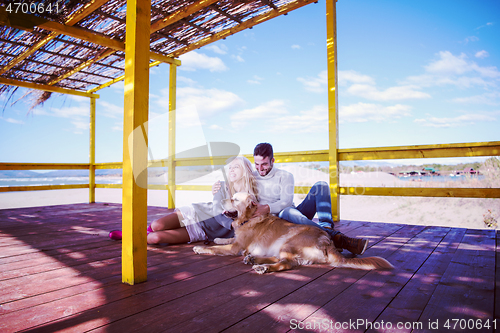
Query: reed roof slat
[{"x": 32, "y": 48}]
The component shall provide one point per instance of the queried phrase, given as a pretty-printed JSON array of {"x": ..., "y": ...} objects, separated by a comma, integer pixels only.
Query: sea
[{"x": 36, "y": 181}]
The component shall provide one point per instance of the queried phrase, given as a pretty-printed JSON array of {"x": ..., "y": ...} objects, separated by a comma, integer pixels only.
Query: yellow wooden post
[
  {"x": 333, "y": 133},
  {"x": 135, "y": 155},
  {"x": 92, "y": 152},
  {"x": 171, "y": 135}
]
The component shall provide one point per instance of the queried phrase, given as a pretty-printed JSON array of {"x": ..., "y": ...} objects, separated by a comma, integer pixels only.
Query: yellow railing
[{"x": 403, "y": 152}]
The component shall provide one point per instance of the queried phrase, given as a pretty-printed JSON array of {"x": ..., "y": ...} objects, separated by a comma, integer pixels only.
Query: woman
[{"x": 183, "y": 225}]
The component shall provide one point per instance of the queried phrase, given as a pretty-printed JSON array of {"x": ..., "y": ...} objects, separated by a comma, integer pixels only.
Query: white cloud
[
  {"x": 80, "y": 126},
  {"x": 470, "y": 39},
  {"x": 449, "y": 69},
  {"x": 207, "y": 102},
  {"x": 363, "y": 112},
  {"x": 482, "y": 54},
  {"x": 310, "y": 121},
  {"x": 109, "y": 110},
  {"x": 193, "y": 60},
  {"x": 489, "y": 24},
  {"x": 267, "y": 110},
  {"x": 222, "y": 49},
  {"x": 458, "y": 65},
  {"x": 462, "y": 120},
  {"x": 487, "y": 99},
  {"x": 346, "y": 77},
  {"x": 13, "y": 121},
  {"x": 316, "y": 84},
  {"x": 390, "y": 94},
  {"x": 296, "y": 47},
  {"x": 255, "y": 80},
  {"x": 70, "y": 112},
  {"x": 238, "y": 58}
]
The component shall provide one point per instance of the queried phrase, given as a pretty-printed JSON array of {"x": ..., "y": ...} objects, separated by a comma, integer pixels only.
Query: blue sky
[{"x": 410, "y": 72}]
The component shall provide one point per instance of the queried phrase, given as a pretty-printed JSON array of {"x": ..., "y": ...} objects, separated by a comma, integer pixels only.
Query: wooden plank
[
  {"x": 122, "y": 301},
  {"x": 333, "y": 106},
  {"x": 310, "y": 299},
  {"x": 423, "y": 192},
  {"x": 467, "y": 289},
  {"x": 374, "y": 291},
  {"x": 135, "y": 142},
  {"x": 422, "y": 151},
  {"x": 43, "y": 166},
  {"x": 407, "y": 306},
  {"x": 38, "y": 86},
  {"x": 161, "y": 262}
]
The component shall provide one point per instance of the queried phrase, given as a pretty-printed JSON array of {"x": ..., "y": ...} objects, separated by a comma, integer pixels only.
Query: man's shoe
[{"x": 353, "y": 245}]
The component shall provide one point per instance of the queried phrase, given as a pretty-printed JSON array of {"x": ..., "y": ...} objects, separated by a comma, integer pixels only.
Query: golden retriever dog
[{"x": 272, "y": 244}]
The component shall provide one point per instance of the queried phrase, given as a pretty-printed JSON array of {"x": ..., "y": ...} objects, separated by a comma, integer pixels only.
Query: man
[{"x": 276, "y": 189}]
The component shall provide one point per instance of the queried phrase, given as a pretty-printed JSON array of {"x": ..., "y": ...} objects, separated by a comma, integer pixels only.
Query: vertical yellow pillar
[
  {"x": 92, "y": 152},
  {"x": 171, "y": 135},
  {"x": 135, "y": 155},
  {"x": 333, "y": 133}
]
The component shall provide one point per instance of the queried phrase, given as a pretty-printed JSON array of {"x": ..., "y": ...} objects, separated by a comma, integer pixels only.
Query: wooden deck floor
[{"x": 60, "y": 272}]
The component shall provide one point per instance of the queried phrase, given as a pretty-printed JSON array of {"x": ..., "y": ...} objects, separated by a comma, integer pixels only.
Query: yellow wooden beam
[
  {"x": 135, "y": 154},
  {"x": 245, "y": 25},
  {"x": 180, "y": 14},
  {"x": 109, "y": 165},
  {"x": 43, "y": 166},
  {"x": 423, "y": 192},
  {"x": 333, "y": 115},
  {"x": 83, "y": 12},
  {"x": 92, "y": 152},
  {"x": 422, "y": 151},
  {"x": 42, "y": 187},
  {"x": 46, "y": 88},
  {"x": 121, "y": 78},
  {"x": 172, "y": 102}
]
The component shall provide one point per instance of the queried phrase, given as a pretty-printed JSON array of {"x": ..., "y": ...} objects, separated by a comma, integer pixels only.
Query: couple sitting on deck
[{"x": 274, "y": 189}]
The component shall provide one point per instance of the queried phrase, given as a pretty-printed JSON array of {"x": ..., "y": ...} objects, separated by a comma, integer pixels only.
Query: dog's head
[{"x": 243, "y": 203}]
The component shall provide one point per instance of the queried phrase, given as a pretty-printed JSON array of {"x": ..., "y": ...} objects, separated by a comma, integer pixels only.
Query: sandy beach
[{"x": 453, "y": 212}]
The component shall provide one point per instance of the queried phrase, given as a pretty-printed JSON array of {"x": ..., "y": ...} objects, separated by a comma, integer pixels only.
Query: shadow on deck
[{"x": 60, "y": 271}]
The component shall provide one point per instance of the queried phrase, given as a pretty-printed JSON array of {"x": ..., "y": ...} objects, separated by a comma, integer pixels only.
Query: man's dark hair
[{"x": 263, "y": 149}]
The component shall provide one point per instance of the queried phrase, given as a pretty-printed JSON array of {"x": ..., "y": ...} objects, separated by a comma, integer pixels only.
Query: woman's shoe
[
  {"x": 149, "y": 230},
  {"x": 115, "y": 235}
]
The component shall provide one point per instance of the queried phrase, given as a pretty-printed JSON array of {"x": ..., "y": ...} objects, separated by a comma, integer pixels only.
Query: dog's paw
[
  {"x": 223, "y": 241},
  {"x": 198, "y": 249},
  {"x": 261, "y": 269},
  {"x": 248, "y": 260}
]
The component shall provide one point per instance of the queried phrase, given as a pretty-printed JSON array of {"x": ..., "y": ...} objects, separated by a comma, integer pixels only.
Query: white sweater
[{"x": 275, "y": 189}]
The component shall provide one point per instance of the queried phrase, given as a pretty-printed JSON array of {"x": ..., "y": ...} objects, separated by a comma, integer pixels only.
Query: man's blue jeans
[{"x": 318, "y": 200}]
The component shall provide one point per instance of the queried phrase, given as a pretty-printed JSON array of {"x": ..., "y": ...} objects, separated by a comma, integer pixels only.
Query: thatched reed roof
[{"x": 79, "y": 45}]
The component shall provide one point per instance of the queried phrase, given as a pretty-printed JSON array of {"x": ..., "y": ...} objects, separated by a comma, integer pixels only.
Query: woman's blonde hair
[{"x": 248, "y": 178}]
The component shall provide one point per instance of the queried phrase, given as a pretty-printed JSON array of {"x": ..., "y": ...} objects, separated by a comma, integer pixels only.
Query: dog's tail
[
  {"x": 338, "y": 260},
  {"x": 367, "y": 263}
]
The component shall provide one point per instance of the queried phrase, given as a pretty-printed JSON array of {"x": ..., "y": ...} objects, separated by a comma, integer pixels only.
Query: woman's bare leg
[
  {"x": 167, "y": 222},
  {"x": 167, "y": 229},
  {"x": 173, "y": 236}
]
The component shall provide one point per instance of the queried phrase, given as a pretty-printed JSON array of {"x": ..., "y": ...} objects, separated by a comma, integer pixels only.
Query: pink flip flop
[{"x": 115, "y": 235}]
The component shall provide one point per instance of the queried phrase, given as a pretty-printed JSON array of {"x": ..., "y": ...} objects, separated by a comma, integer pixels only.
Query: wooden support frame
[
  {"x": 92, "y": 152},
  {"x": 172, "y": 102},
  {"x": 333, "y": 133},
  {"x": 135, "y": 155}
]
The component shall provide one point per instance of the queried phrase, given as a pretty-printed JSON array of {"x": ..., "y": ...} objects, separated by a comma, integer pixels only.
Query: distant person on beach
[{"x": 203, "y": 221}]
